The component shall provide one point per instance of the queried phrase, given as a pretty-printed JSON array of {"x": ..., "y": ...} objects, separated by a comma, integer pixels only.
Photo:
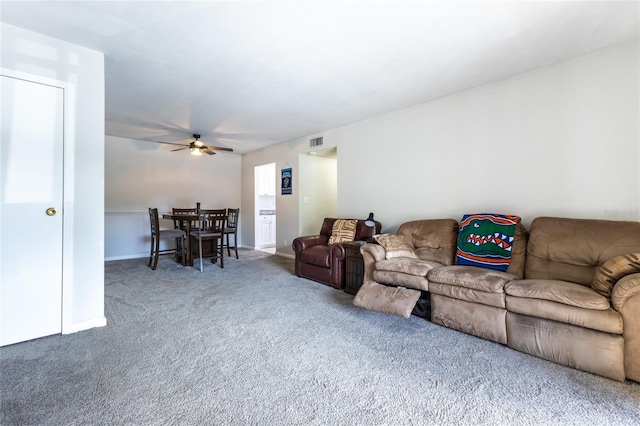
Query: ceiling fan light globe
[{"x": 196, "y": 151}]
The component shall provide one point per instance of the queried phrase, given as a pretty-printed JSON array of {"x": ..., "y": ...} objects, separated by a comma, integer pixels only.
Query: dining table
[{"x": 191, "y": 220}]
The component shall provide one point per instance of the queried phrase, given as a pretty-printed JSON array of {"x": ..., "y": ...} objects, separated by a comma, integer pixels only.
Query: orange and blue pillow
[{"x": 486, "y": 240}]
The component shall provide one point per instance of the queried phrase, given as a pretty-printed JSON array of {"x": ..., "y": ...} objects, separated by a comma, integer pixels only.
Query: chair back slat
[
  {"x": 232, "y": 217},
  {"x": 211, "y": 226},
  {"x": 153, "y": 220},
  {"x": 182, "y": 224},
  {"x": 212, "y": 220}
]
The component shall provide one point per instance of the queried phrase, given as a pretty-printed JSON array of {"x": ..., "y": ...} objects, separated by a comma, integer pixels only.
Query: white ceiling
[{"x": 249, "y": 74}]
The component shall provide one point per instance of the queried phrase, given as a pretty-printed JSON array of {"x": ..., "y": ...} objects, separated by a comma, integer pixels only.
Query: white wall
[
  {"x": 141, "y": 174},
  {"x": 561, "y": 141},
  {"x": 83, "y": 252}
]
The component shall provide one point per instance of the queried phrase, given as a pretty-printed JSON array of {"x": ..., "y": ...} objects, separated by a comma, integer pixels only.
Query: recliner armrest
[
  {"x": 376, "y": 250},
  {"x": 337, "y": 252},
  {"x": 301, "y": 243},
  {"x": 371, "y": 253}
]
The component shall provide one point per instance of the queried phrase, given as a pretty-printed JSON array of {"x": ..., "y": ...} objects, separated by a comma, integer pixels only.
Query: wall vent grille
[{"x": 316, "y": 142}]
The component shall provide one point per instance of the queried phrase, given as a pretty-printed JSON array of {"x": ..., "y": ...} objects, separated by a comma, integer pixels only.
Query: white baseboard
[
  {"x": 85, "y": 325},
  {"x": 139, "y": 256},
  {"x": 130, "y": 256}
]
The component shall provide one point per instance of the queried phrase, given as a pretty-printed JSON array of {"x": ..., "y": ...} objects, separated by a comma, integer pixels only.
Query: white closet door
[{"x": 31, "y": 171}]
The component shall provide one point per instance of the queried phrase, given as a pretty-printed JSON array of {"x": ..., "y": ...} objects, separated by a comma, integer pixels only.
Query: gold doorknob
[{"x": 51, "y": 211}]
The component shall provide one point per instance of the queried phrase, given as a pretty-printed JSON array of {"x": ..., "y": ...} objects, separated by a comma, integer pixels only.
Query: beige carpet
[{"x": 251, "y": 344}]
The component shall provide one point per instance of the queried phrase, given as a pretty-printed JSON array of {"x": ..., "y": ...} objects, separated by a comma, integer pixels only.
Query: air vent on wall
[{"x": 316, "y": 142}]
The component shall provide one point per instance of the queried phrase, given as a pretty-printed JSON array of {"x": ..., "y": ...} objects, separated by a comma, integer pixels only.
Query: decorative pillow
[
  {"x": 486, "y": 240},
  {"x": 612, "y": 270},
  {"x": 395, "y": 246},
  {"x": 343, "y": 230}
]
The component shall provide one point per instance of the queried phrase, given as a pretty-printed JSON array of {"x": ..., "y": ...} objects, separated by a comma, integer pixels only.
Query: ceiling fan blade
[
  {"x": 168, "y": 143},
  {"x": 195, "y": 144},
  {"x": 220, "y": 148}
]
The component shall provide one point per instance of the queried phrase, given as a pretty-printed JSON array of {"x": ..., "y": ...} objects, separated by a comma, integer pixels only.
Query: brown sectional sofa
[{"x": 571, "y": 294}]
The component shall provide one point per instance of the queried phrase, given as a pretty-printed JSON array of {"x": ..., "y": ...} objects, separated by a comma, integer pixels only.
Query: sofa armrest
[
  {"x": 625, "y": 289},
  {"x": 371, "y": 253},
  {"x": 302, "y": 243},
  {"x": 607, "y": 275},
  {"x": 625, "y": 299}
]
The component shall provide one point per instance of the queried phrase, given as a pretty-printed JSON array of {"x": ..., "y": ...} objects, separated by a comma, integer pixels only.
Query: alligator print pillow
[{"x": 486, "y": 240}]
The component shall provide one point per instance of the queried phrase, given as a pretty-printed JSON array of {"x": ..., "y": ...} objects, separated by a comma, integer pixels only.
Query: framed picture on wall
[{"x": 286, "y": 181}]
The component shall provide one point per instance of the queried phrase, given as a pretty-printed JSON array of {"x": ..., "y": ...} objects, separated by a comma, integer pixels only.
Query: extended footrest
[{"x": 376, "y": 297}]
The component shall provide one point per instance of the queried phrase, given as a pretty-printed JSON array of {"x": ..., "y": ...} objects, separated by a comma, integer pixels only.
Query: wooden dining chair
[
  {"x": 157, "y": 234},
  {"x": 182, "y": 224},
  {"x": 232, "y": 229},
  {"x": 211, "y": 224}
]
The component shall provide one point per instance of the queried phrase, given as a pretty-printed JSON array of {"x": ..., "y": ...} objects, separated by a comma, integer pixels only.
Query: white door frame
[
  {"x": 68, "y": 196},
  {"x": 257, "y": 179}
]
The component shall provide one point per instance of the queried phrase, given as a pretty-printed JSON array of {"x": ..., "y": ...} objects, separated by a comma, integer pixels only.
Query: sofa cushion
[
  {"x": 407, "y": 266},
  {"x": 612, "y": 270},
  {"x": 387, "y": 300},
  {"x": 572, "y": 249},
  {"x": 607, "y": 321},
  {"x": 564, "y": 292},
  {"x": 395, "y": 246},
  {"x": 432, "y": 239},
  {"x": 316, "y": 255},
  {"x": 343, "y": 230},
  {"x": 470, "y": 277},
  {"x": 400, "y": 278},
  {"x": 519, "y": 252}
]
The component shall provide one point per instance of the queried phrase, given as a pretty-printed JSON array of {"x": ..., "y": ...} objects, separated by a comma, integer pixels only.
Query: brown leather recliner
[{"x": 318, "y": 260}]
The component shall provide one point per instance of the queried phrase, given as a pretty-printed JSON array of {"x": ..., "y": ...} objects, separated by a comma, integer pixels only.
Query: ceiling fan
[{"x": 197, "y": 147}]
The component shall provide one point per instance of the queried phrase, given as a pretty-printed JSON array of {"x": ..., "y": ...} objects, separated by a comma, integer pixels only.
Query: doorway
[
  {"x": 265, "y": 207},
  {"x": 318, "y": 172}
]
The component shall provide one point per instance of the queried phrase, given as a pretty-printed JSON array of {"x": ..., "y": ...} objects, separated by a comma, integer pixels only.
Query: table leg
[{"x": 189, "y": 258}]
